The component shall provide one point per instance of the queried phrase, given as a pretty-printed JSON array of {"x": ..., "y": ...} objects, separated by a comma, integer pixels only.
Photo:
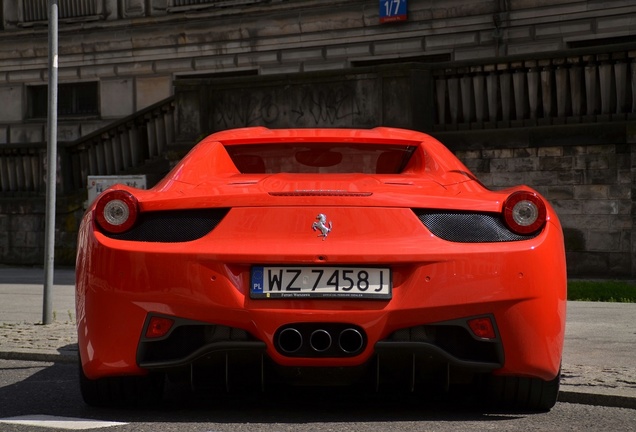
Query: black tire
[
  {"x": 524, "y": 394},
  {"x": 121, "y": 391}
]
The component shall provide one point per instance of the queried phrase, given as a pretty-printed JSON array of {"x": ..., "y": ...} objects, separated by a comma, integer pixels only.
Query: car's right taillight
[
  {"x": 524, "y": 212},
  {"x": 116, "y": 211}
]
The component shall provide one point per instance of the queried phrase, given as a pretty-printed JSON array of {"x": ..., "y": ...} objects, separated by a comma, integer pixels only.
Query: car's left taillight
[
  {"x": 524, "y": 212},
  {"x": 116, "y": 211}
]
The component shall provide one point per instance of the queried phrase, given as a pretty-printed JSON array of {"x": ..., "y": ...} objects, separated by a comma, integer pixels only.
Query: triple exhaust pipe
[{"x": 317, "y": 340}]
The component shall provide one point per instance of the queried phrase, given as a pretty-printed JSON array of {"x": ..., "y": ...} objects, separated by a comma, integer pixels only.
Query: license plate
[{"x": 321, "y": 282}]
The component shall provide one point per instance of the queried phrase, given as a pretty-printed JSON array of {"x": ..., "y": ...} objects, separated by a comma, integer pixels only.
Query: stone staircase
[{"x": 128, "y": 146}]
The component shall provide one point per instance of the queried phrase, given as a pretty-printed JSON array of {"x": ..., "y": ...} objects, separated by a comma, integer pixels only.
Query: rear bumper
[
  {"x": 448, "y": 342},
  {"x": 522, "y": 285}
]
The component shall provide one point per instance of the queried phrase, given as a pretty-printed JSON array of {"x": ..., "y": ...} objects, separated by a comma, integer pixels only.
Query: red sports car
[{"x": 321, "y": 256}]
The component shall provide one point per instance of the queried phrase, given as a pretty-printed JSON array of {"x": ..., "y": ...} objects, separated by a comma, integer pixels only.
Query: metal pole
[{"x": 51, "y": 166}]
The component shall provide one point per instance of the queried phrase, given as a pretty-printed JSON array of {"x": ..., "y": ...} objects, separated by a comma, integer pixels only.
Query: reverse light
[
  {"x": 158, "y": 327},
  {"x": 524, "y": 212},
  {"x": 482, "y": 328},
  {"x": 116, "y": 211}
]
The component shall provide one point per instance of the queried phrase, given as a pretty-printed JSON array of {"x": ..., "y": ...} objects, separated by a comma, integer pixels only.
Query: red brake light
[
  {"x": 482, "y": 328},
  {"x": 524, "y": 212},
  {"x": 116, "y": 211},
  {"x": 158, "y": 327}
]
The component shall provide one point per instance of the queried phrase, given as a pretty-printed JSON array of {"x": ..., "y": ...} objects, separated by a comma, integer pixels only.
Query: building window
[
  {"x": 38, "y": 10},
  {"x": 78, "y": 99},
  {"x": 216, "y": 3}
]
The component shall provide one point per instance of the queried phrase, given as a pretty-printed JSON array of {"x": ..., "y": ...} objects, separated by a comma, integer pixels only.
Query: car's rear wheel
[
  {"x": 522, "y": 393},
  {"x": 121, "y": 390}
]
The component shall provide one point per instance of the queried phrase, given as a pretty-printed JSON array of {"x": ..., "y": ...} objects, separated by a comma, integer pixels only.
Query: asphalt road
[{"x": 31, "y": 390}]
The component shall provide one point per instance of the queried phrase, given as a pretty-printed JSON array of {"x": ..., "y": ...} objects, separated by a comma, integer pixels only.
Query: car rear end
[{"x": 238, "y": 269}]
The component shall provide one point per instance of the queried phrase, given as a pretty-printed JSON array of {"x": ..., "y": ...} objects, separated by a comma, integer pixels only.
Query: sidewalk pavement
[{"x": 599, "y": 359}]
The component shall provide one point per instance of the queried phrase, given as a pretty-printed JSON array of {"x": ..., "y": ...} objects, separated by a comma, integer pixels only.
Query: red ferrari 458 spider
[{"x": 321, "y": 257}]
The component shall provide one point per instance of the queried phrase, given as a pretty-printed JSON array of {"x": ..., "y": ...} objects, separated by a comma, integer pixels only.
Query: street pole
[{"x": 51, "y": 166}]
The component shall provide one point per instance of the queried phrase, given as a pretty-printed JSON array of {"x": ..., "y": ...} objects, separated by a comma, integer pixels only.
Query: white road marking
[{"x": 54, "y": 422}]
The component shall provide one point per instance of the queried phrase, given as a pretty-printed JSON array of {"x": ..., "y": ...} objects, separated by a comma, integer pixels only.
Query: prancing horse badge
[{"x": 322, "y": 225}]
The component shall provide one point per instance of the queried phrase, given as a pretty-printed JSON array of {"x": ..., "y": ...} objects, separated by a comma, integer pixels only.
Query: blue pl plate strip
[{"x": 257, "y": 280}]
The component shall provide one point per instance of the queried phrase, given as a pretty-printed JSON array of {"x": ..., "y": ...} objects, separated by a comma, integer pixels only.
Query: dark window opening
[
  {"x": 77, "y": 99},
  {"x": 433, "y": 58},
  {"x": 602, "y": 42},
  {"x": 325, "y": 158},
  {"x": 216, "y": 3},
  {"x": 214, "y": 75}
]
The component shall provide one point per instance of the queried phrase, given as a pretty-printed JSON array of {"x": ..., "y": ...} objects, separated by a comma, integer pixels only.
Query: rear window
[{"x": 320, "y": 158}]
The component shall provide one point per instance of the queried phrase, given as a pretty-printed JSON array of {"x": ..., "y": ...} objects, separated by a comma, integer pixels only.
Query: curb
[
  {"x": 49, "y": 357},
  {"x": 596, "y": 399}
]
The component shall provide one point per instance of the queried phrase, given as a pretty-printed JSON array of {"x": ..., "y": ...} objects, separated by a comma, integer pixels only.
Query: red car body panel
[{"x": 522, "y": 284}]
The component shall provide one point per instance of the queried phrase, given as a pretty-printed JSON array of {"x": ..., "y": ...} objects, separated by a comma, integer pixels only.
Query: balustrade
[
  {"x": 37, "y": 10},
  {"x": 22, "y": 170},
  {"x": 589, "y": 88},
  {"x": 124, "y": 145}
]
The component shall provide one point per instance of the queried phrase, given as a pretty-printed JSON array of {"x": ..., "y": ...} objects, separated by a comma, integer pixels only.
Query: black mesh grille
[
  {"x": 467, "y": 227},
  {"x": 172, "y": 226}
]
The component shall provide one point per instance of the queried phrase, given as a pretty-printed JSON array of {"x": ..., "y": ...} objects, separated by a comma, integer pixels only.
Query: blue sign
[
  {"x": 257, "y": 280},
  {"x": 392, "y": 10}
]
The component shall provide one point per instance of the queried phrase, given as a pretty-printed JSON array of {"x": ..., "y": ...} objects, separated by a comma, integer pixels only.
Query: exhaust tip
[
  {"x": 320, "y": 340},
  {"x": 350, "y": 341},
  {"x": 290, "y": 340}
]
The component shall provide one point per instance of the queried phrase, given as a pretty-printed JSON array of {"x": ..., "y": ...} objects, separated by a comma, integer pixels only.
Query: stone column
[{"x": 631, "y": 143}]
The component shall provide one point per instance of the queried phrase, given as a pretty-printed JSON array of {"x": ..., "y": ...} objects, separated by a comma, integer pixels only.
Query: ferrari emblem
[{"x": 322, "y": 225}]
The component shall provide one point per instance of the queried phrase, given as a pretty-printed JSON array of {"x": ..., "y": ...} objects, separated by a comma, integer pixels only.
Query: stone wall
[
  {"x": 587, "y": 173},
  {"x": 396, "y": 96},
  {"x": 22, "y": 230}
]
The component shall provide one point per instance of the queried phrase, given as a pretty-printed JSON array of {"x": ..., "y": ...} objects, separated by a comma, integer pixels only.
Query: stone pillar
[
  {"x": 591, "y": 89},
  {"x": 440, "y": 98},
  {"x": 533, "y": 90},
  {"x": 576, "y": 87},
  {"x": 505, "y": 88},
  {"x": 620, "y": 78},
  {"x": 492, "y": 89},
  {"x": 547, "y": 91},
  {"x": 605, "y": 75},
  {"x": 631, "y": 143},
  {"x": 633, "y": 82},
  {"x": 480, "y": 101}
]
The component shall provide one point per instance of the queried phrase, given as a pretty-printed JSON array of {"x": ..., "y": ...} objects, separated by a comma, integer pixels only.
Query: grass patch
[{"x": 602, "y": 291}]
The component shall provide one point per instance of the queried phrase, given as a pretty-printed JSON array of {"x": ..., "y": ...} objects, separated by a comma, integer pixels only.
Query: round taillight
[
  {"x": 524, "y": 212},
  {"x": 116, "y": 211}
]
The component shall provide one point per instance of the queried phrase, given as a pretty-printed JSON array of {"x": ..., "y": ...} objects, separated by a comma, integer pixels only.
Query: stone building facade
[
  {"x": 589, "y": 182},
  {"x": 524, "y": 91}
]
